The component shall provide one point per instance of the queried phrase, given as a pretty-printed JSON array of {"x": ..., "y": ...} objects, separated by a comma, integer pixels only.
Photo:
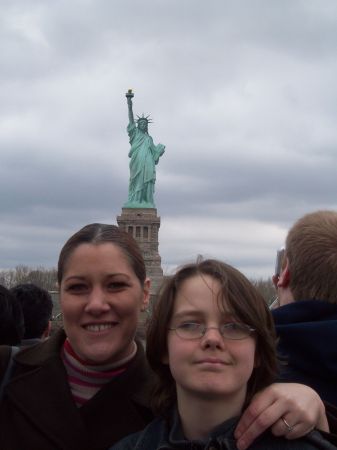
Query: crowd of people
[{"x": 220, "y": 370}]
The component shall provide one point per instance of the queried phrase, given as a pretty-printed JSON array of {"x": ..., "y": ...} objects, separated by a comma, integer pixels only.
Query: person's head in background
[
  {"x": 37, "y": 308},
  {"x": 103, "y": 288},
  {"x": 193, "y": 306},
  {"x": 309, "y": 270},
  {"x": 11, "y": 319}
]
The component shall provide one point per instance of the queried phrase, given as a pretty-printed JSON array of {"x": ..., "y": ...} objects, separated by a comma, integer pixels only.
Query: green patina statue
[{"x": 144, "y": 156}]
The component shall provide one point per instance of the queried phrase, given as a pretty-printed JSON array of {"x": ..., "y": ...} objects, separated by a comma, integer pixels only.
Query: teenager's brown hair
[
  {"x": 311, "y": 249},
  {"x": 245, "y": 303}
]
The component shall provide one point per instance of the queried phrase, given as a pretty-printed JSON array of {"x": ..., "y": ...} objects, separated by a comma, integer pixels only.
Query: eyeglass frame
[{"x": 204, "y": 329}]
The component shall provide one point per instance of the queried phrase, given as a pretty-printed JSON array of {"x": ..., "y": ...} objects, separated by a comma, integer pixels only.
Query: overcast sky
[{"x": 242, "y": 93}]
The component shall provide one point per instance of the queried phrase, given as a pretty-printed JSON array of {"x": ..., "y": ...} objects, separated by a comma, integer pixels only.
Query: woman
[
  {"x": 88, "y": 385},
  {"x": 211, "y": 342}
]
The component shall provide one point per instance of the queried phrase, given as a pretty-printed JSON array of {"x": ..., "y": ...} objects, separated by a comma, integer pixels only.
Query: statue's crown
[{"x": 146, "y": 118}]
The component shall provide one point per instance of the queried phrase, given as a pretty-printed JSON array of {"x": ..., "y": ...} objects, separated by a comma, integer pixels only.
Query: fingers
[
  {"x": 288, "y": 427},
  {"x": 261, "y": 414},
  {"x": 297, "y": 405},
  {"x": 282, "y": 426}
]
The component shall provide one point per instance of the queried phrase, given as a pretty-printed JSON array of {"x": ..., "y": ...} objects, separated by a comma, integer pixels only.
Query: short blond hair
[{"x": 311, "y": 249}]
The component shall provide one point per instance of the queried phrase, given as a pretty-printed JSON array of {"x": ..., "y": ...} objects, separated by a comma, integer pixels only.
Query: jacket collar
[{"x": 221, "y": 437}]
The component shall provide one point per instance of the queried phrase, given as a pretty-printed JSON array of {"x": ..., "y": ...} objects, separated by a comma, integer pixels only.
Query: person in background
[
  {"x": 306, "y": 319},
  {"x": 37, "y": 308},
  {"x": 89, "y": 385},
  {"x": 11, "y": 319},
  {"x": 212, "y": 344}
]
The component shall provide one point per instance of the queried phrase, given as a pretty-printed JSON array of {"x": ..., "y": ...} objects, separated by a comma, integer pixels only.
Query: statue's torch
[{"x": 129, "y": 94}]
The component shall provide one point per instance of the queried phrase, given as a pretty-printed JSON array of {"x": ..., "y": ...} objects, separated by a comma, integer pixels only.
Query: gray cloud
[{"x": 242, "y": 94}]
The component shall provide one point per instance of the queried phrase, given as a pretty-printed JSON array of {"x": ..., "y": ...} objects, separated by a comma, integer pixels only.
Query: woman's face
[
  {"x": 210, "y": 366},
  {"x": 101, "y": 298},
  {"x": 142, "y": 125}
]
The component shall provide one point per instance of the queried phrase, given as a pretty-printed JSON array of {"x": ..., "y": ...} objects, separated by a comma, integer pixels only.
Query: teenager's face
[
  {"x": 101, "y": 298},
  {"x": 212, "y": 366}
]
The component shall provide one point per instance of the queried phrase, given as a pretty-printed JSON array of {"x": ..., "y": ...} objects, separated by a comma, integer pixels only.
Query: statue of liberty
[{"x": 144, "y": 157}]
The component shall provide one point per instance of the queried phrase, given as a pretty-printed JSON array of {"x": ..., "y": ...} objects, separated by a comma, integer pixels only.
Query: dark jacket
[
  {"x": 163, "y": 435},
  {"x": 307, "y": 332},
  {"x": 37, "y": 411}
]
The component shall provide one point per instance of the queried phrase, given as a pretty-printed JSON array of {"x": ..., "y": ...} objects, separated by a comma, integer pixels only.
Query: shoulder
[
  {"x": 150, "y": 438},
  {"x": 38, "y": 354}
]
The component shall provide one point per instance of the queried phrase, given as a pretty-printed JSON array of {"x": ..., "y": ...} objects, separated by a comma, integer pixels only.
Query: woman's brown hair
[{"x": 98, "y": 233}]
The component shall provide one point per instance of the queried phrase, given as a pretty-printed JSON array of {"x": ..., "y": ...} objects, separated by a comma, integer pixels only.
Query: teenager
[{"x": 211, "y": 342}]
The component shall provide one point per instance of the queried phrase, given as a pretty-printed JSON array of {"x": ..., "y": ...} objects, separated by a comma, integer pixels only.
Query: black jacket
[
  {"x": 307, "y": 332},
  {"x": 37, "y": 411},
  {"x": 167, "y": 435}
]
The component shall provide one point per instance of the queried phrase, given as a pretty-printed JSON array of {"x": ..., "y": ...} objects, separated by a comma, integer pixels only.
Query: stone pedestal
[{"x": 143, "y": 224}]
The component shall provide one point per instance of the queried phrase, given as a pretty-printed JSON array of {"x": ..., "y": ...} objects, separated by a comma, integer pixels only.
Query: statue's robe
[{"x": 144, "y": 156}]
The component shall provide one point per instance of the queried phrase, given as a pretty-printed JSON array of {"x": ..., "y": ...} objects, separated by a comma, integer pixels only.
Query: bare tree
[
  {"x": 266, "y": 288},
  {"x": 45, "y": 278}
]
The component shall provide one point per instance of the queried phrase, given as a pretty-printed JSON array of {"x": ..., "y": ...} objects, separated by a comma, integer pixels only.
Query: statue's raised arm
[
  {"x": 129, "y": 96},
  {"x": 144, "y": 156}
]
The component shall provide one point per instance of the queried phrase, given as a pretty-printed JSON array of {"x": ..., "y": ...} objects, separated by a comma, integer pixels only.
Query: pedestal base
[{"x": 143, "y": 224}]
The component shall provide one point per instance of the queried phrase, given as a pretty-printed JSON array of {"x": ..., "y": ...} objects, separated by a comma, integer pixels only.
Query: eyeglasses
[{"x": 231, "y": 330}]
